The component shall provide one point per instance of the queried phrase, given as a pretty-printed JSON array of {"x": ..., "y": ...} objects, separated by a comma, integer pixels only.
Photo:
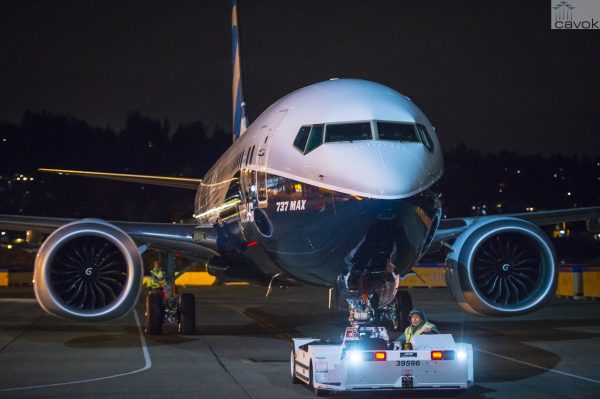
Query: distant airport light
[
  {"x": 518, "y": 171},
  {"x": 530, "y": 209},
  {"x": 555, "y": 175},
  {"x": 569, "y": 193},
  {"x": 3, "y": 233},
  {"x": 9, "y": 246},
  {"x": 251, "y": 244}
]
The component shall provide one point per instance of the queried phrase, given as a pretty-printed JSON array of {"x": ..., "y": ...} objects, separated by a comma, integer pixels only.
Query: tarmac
[{"x": 243, "y": 342}]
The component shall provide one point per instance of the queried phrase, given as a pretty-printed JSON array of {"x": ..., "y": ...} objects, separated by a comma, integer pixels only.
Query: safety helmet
[{"x": 418, "y": 312}]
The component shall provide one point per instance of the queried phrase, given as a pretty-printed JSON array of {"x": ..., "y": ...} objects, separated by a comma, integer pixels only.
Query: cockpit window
[
  {"x": 426, "y": 137},
  {"x": 315, "y": 139},
  {"x": 348, "y": 132},
  {"x": 309, "y": 138},
  {"x": 301, "y": 138},
  {"x": 397, "y": 131}
]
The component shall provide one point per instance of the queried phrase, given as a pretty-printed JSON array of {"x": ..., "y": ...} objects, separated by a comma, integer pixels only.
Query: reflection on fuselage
[{"x": 314, "y": 234}]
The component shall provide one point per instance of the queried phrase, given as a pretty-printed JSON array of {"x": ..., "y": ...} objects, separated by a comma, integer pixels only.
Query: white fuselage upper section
[{"x": 374, "y": 168}]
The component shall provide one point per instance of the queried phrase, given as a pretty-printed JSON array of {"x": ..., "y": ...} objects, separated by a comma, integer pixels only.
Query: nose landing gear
[
  {"x": 395, "y": 315},
  {"x": 365, "y": 306}
]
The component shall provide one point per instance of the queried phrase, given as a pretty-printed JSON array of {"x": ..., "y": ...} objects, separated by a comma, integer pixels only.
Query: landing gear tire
[
  {"x": 154, "y": 311},
  {"x": 316, "y": 391},
  {"x": 403, "y": 308},
  {"x": 295, "y": 380},
  {"x": 187, "y": 314}
]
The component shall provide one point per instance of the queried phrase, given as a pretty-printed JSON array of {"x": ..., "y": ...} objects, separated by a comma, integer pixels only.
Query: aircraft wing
[
  {"x": 166, "y": 181},
  {"x": 449, "y": 229},
  {"x": 192, "y": 239}
]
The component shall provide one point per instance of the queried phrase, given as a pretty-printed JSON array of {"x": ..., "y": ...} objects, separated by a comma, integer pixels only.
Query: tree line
[
  {"x": 473, "y": 182},
  {"x": 144, "y": 145}
]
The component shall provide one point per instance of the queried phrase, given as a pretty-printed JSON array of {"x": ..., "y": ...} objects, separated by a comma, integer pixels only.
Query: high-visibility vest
[
  {"x": 408, "y": 332},
  {"x": 157, "y": 279}
]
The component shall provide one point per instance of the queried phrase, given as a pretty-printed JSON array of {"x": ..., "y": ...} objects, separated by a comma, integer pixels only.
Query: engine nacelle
[
  {"x": 88, "y": 270},
  {"x": 502, "y": 267}
]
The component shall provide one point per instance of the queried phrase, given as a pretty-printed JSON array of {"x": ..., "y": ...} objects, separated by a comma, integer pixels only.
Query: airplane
[{"x": 332, "y": 185}]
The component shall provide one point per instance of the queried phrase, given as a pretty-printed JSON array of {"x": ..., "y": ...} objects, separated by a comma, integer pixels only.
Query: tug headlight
[
  {"x": 355, "y": 356},
  {"x": 461, "y": 355}
]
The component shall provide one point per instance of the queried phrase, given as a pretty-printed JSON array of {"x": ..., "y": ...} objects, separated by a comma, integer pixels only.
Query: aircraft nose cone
[
  {"x": 374, "y": 169},
  {"x": 403, "y": 172}
]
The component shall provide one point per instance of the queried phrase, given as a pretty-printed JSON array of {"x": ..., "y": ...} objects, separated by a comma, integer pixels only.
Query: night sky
[{"x": 490, "y": 74}]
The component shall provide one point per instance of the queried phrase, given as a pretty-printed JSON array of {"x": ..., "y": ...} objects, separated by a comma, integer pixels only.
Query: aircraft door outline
[{"x": 261, "y": 174}]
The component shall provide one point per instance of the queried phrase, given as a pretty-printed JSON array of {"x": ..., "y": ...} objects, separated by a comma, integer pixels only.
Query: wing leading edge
[
  {"x": 449, "y": 229},
  {"x": 166, "y": 181},
  {"x": 193, "y": 239}
]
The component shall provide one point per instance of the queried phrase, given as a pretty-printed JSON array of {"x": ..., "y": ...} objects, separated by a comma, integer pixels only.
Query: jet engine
[
  {"x": 502, "y": 267},
  {"x": 88, "y": 270}
]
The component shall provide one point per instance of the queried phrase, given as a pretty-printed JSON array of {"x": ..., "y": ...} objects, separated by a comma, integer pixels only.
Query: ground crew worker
[
  {"x": 157, "y": 277},
  {"x": 157, "y": 281},
  {"x": 418, "y": 325}
]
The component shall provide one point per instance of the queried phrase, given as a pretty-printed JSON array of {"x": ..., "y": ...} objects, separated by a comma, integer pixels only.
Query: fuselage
[{"x": 333, "y": 177}]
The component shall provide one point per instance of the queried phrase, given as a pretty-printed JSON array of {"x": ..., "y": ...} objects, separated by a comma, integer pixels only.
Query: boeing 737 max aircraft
[{"x": 331, "y": 185}]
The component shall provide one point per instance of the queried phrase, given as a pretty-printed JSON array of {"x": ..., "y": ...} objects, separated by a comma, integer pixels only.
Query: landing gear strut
[
  {"x": 364, "y": 304},
  {"x": 402, "y": 305},
  {"x": 394, "y": 316}
]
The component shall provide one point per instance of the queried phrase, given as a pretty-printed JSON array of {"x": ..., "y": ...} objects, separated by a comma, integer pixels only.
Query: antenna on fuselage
[{"x": 240, "y": 121}]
